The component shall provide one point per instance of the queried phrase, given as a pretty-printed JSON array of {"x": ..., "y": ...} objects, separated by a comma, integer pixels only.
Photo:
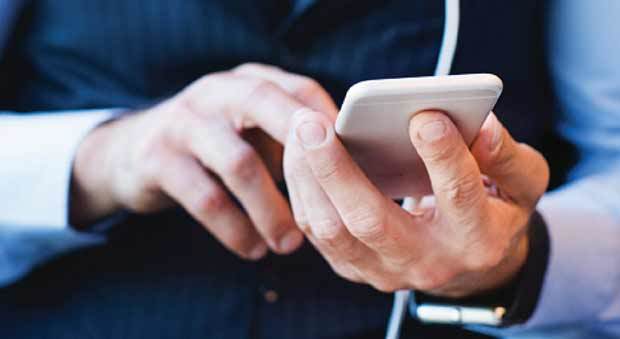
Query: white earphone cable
[
  {"x": 450, "y": 37},
  {"x": 444, "y": 64}
]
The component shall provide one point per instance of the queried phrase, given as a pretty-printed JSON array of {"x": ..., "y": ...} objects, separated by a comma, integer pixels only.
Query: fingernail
[
  {"x": 259, "y": 251},
  {"x": 432, "y": 131},
  {"x": 311, "y": 133},
  {"x": 497, "y": 133},
  {"x": 290, "y": 241}
]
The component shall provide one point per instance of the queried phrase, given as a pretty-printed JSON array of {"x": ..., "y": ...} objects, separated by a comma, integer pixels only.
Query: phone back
[{"x": 373, "y": 123}]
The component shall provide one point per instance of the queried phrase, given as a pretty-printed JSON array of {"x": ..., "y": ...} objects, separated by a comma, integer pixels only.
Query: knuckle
[
  {"x": 351, "y": 252},
  {"x": 307, "y": 88},
  {"x": 183, "y": 120},
  {"x": 328, "y": 230},
  {"x": 437, "y": 153},
  {"x": 210, "y": 202},
  {"x": 398, "y": 264},
  {"x": 366, "y": 223},
  {"x": 462, "y": 190},
  {"x": 242, "y": 164},
  {"x": 328, "y": 169},
  {"x": 303, "y": 224},
  {"x": 262, "y": 89}
]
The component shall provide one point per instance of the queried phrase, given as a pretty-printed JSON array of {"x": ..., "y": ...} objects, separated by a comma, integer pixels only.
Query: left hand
[{"x": 469, "y": 241}]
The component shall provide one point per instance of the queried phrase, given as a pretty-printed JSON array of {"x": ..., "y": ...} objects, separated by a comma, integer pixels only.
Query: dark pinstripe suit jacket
[{"x": 153, "y": 277}]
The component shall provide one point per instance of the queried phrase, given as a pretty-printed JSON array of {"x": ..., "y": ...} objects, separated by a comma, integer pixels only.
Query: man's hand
[
  {"x": 471, "y": 239},
  {"x": 195, "y": 150}
]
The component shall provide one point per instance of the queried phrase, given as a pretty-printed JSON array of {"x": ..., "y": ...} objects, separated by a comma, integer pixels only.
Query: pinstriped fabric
[
  {"x": 157, "y": 277},
  {"x": 119, "y": 53}
]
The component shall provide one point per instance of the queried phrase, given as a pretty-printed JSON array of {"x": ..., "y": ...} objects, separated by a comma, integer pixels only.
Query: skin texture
[
  {"x": 223, "y": 136},
  {"x": 468, "y": 240},
  {"x": 220, "y": 136}
]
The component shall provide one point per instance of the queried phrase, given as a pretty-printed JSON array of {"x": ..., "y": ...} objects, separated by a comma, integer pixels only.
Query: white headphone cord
[
  {"x": 450, "y": 37},
  {"x": 444, "y": 64}
]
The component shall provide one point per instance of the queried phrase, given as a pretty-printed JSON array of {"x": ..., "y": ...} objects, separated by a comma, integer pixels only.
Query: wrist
[
  {"x": 516, "y": 296},
  {"x": 508, "y": 270},
  {"x": 92, "y": 185}
]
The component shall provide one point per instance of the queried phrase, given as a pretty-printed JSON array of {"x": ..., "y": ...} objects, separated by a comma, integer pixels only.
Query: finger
[
  {"x": 305, "y": 89},
  {"x": 521, "y": 172},
  {"x": 320, "y": 219},
  {"x": 247, "y": 177},
  {"x": 368, "y": 215},
  {"x": 250, "y": 101},
  {"x": 454, "y": 174},
  {"x": 297, "y": 206},
  {"x": 292, "y": 176},
  {"x": 269, "y": 150},
  {"x": 185, "y": 181}
]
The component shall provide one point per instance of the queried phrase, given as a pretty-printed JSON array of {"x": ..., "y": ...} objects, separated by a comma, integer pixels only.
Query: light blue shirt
[{"x": 581, "y": 292}]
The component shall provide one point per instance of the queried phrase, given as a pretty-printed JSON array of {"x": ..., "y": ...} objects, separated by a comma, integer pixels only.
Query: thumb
[{"x": 520, "y": 171}]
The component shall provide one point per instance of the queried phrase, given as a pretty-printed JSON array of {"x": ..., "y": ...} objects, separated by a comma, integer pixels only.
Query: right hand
[{"x": 189, "y": 150}]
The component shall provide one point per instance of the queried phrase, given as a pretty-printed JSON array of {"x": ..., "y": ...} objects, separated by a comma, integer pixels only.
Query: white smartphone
[{"x": 373, "y": 123}]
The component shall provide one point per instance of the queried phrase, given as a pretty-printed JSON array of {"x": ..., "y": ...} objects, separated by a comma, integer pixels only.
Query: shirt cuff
[
  {"x": 581, "y": 288},
  {"x": 525, "y": 291},
  {"x": 582, "y": 285},
  {"x": 37, "y": 154}
]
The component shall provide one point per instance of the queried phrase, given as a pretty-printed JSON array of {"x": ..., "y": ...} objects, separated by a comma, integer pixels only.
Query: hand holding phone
[{"x": 374, "y": 120}]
